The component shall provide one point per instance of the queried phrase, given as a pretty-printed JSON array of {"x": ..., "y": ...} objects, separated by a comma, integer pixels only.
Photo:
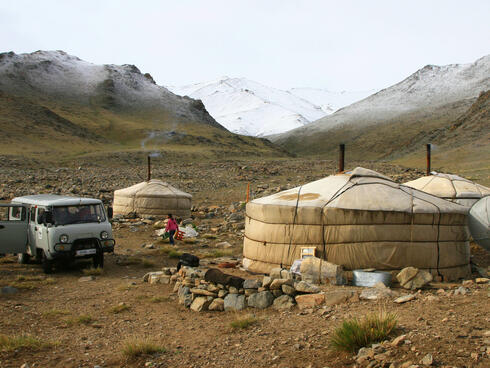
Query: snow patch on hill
[{"x": 247, "y": 107}]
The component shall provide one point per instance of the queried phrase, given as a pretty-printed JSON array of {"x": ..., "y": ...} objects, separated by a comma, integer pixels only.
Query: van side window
[
  {"x": 40, "y": 215},
  {"x": 33, "y": 214},
  {"x": 4, "y": 213},
  {"x": 17, "y": 214}
]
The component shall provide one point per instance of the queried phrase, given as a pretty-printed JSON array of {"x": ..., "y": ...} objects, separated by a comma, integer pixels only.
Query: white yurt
[
  {"x": 152, "y": 198},
  {"x": 451, "y": 187},
  {"x": 359, "y": 220},
  {"x": 479, "y": 222}
]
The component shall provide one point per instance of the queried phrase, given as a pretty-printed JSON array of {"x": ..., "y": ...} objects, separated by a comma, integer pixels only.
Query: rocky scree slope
[{"x": 385, "y": 123}]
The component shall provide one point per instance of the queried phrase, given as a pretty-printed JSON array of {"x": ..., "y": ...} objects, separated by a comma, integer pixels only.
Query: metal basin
[{"x": 370, "y": 278}]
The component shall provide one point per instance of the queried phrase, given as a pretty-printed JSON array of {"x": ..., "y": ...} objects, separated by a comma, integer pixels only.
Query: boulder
[
  {"x": 86, "y": 278},
  {"x": 412, "y": 278},
  {"x": 158, "y": 278},
  {"x": 235, "y": 302},
  {"x": 260, "y": 300},
  {"x": 217, "y": 304},
  {"x": 309, "y": 300},
  {"x": 288, "y": 289},
  {"x": 201, "y": 303},
  {"x": 283, "y": 302},
  {"x": 305, "y": 287},
  {"x": 224, "y": 245},
  {"x": 280, "y": 273},
  {"x": 277, "y": 283},
  {"x": 8, "y": 290},
  {"x": 252, "y": 284},
  {"x": 404, "y": 298},
  {"x": 203, "y": 292},
  {"x": 378, "y": 291},
  {"x": 266, "y": 281},
  {"x": 277, "y": 293},
  {"x": 338, "y": 297},
  {"x": 182, "y": 292},
  {"x": 222, "y": 293},
  {"x": 318, "y": 271}
]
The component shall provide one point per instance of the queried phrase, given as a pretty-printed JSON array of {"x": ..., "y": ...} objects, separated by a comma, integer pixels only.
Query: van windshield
[{"x": 65, "y": 215}]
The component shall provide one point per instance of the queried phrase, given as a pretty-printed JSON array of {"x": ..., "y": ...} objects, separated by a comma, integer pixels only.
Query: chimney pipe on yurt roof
[
  {"x": 149, "y": 168},
  {"x": 341, "y": 157},
  {"x": 428, "y": 159}
]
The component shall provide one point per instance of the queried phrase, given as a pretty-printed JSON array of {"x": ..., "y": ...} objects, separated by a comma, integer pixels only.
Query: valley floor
[{"x": 79, "y": 326}]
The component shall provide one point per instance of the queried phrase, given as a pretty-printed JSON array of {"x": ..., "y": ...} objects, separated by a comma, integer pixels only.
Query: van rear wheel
[{"x": 23, "y": 258}]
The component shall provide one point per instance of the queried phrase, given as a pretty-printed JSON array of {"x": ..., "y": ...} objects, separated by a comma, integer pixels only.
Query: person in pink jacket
[{"x": 171, "y": 228}]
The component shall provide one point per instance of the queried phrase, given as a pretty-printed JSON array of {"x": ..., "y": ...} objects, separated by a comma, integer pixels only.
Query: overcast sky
[{"x": 338, "y": 45}]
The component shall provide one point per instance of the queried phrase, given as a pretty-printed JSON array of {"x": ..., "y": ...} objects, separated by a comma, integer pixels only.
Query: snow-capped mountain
[
  {"x": 330, "y": 101},
  {"x": 247, "y": 107},
  {"x": 431, "y": 95}
]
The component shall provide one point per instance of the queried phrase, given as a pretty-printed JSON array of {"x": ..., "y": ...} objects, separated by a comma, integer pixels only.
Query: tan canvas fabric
[
  {"x": 153, "y": 198},
  {"x": 451, "y": 187},
  {"x": 358, "y": 220}
]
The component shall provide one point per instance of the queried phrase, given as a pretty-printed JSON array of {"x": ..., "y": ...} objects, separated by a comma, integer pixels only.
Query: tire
[
  {"x": 47, "y": 265},
  {"x": 23, "y": 258},
  {"x": 99, "y": 260}
]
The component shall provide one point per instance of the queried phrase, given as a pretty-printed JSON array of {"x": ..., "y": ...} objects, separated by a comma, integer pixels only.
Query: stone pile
[{"x": 280, "y": 290}]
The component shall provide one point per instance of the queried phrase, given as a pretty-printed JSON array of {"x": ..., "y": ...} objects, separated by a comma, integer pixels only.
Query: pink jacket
[{"x": 171, "y": 225}]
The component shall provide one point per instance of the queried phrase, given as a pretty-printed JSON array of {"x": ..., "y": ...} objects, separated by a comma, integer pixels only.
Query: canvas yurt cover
[
  {"x": 479, "y": 222},
  {"x": 152, "y": 198},
  {"x": 451, "y": 187},
  {"x": 359, "y": 220}
]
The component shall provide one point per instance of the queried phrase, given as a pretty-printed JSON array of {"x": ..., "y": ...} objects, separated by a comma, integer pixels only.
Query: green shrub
[
  {"x": 356, "y": 333},
  {"x": 174, "y": 254}
]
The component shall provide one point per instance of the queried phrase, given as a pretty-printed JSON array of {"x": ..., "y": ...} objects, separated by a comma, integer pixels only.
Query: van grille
[{"x": 85, "y": 244}]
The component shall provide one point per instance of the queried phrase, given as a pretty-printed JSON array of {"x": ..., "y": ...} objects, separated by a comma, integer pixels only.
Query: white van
[{"x": 54, "y": 229}]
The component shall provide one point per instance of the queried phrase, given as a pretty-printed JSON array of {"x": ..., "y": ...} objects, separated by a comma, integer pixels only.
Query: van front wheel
[
  {"x": 47, "y": 264},
  {"x": 99, "y": 260},
  {"x": 23, "y": 258}
]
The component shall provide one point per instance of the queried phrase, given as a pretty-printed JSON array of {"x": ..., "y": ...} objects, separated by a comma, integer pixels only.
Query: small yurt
[
  {"x": 152, "y": 198},
  {"x": 451, "y": 187},
  {"x": 359, "y": 220}
]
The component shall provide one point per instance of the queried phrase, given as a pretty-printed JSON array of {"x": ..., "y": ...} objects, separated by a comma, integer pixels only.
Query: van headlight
[
  {"x": 104, "y": 235},
  {"x": 63, "y": 238}
]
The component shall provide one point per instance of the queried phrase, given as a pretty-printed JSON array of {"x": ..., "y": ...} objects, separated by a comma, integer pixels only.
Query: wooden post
[
  {"x": 428, "y": 159},
  {"x": 149, "y": 168},
  {"x": 248, "y": 192},
  {"x": 341, "y": 157}
]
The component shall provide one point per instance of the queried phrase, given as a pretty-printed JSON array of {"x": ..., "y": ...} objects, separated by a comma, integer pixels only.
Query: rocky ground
[{"x": 85, "y": 322}]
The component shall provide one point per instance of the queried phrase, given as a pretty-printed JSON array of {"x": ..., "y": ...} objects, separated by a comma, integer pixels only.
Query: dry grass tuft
[
  {"x": 134, "y": 348},
  {"x": 93, "y": 271},
  {"x": 83, "y": 319},
  {"x": 243, "y": 322},
  {"x": 55, "y": 313},
  {"x": 11, "y": 343},
  {"x": 119, "y": 308},
  {"x": 356, "y": 333},
  {"x": 147, "y": 263}
]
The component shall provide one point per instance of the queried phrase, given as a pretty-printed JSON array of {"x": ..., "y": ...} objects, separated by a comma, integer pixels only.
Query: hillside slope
[
  {"x": 388, "y": 123},
  {"x": 65, "y": 104}
]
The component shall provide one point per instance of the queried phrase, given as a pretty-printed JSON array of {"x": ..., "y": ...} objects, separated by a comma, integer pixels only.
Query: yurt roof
[
  {"x": 360, "y": 189},
  {"x": 449, "y": 186},
  {"x": 152, "y": 188}
]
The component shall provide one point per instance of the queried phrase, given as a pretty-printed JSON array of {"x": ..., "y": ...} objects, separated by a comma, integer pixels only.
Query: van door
[
  {"x": 41, "y": 230},
  {"x": 13, "y": 228}
]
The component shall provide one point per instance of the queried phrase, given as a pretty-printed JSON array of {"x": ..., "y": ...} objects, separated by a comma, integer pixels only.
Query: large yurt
[
  {"x": 152, "y": 198},
  {"x": 451, "y": 187},
  {"x": 479, "y": 222},
  {"x": 359, "y": 220}
]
